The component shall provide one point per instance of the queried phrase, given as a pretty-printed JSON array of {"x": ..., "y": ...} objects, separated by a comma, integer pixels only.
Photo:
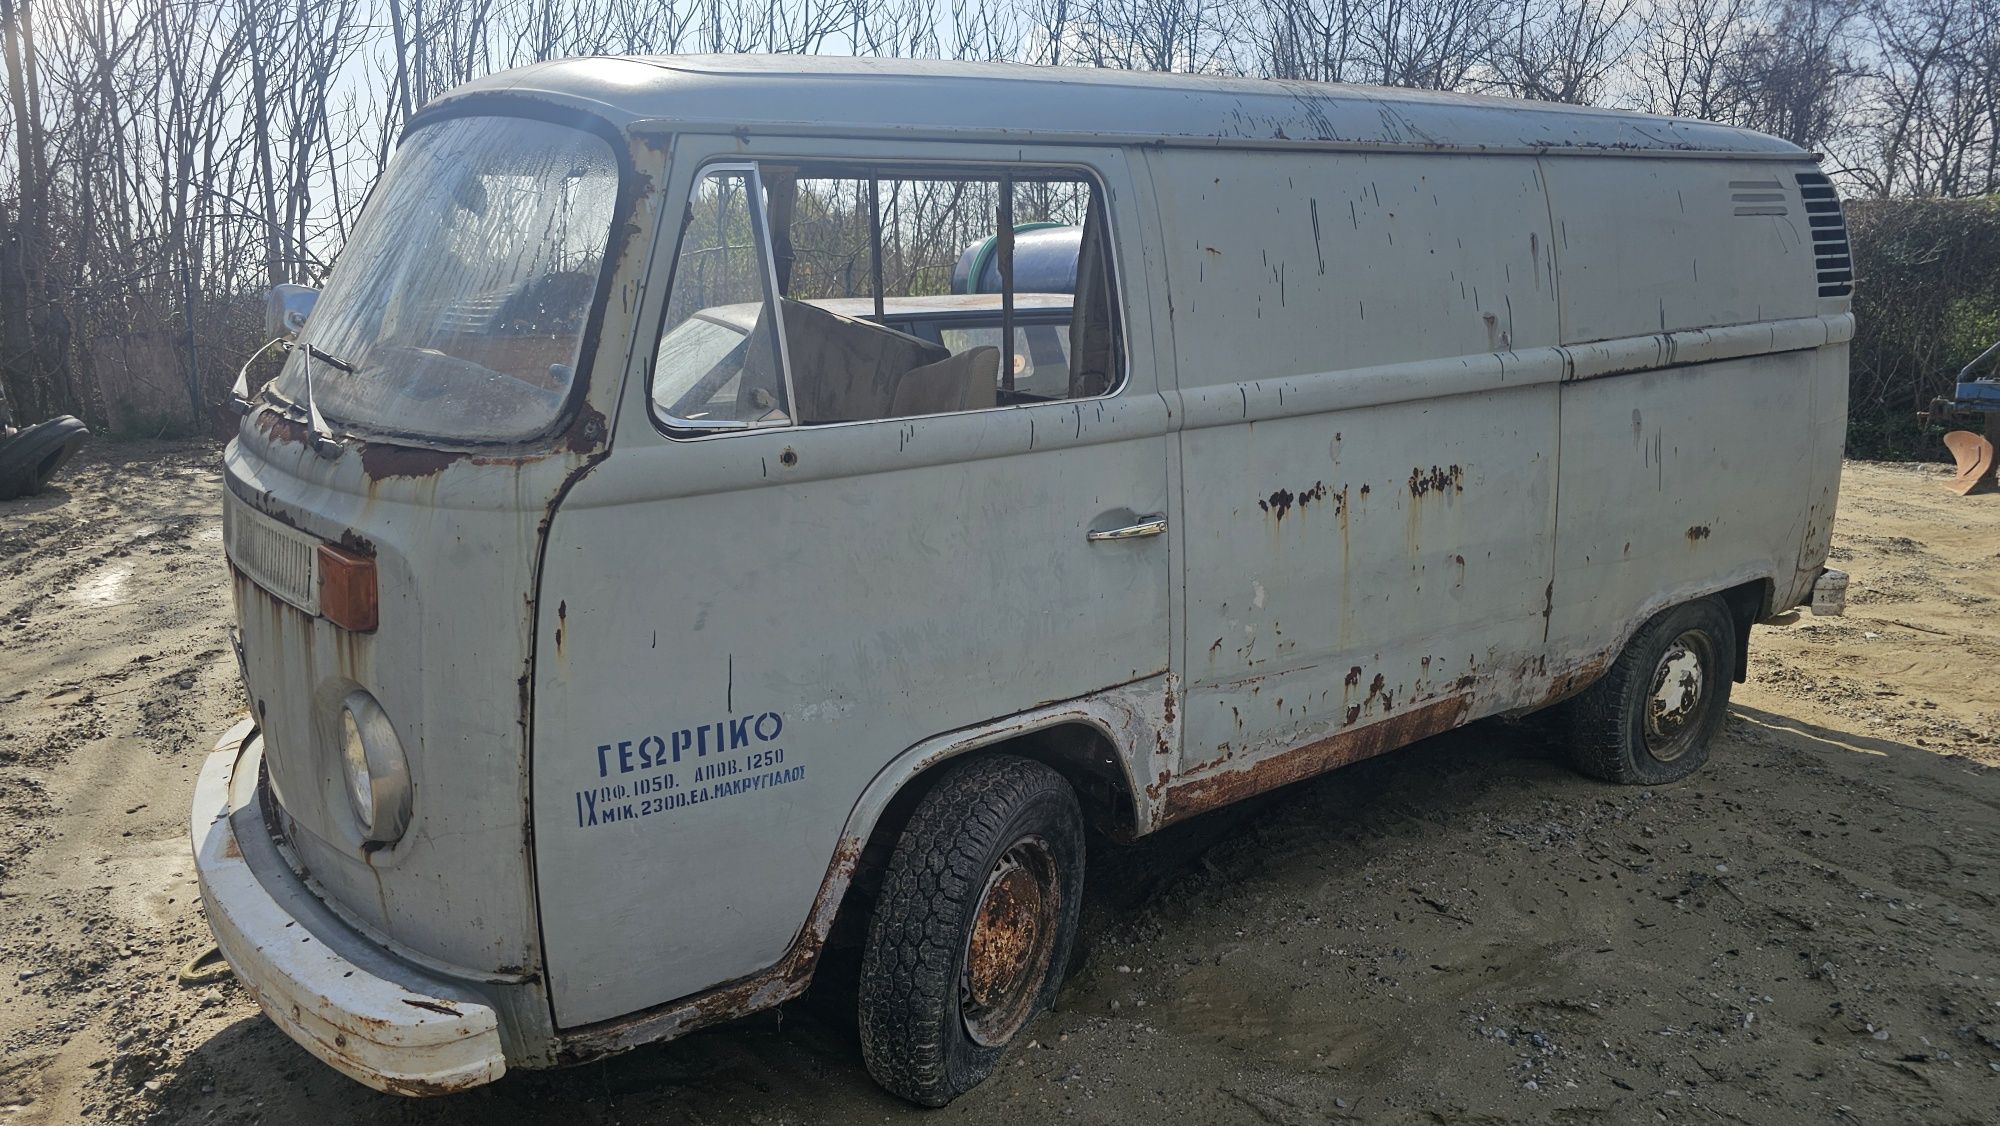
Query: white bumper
[
  {"x": 1829, "y": 594},
  {"x": 345, "y": 999}
]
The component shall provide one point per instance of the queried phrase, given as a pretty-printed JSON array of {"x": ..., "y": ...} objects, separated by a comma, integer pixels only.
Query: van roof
[{"x": 802, "y": 94}]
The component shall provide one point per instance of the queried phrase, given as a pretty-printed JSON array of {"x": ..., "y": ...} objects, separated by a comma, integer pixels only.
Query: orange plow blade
[{"x": 1974, "y": 453}]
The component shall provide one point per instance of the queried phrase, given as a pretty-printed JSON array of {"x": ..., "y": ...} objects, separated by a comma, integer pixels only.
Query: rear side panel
[
  {"x": 1703, "y": 418},
  {"x": 1650, "y": 246}
]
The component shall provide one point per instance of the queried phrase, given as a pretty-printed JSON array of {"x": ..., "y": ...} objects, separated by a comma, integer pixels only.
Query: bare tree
[
  {"x": 1189, "y": 36},
  {"x": 1428, "y": 44},
  {"x": 1934, "y": 122},
  {"x": 1684, "y": 62},
  {"x": 1314, "y": 40},
  {"x": 989, "y": 30},
  {"x": 1795, "y": 70},
  {"x": 1563, "y": 50}
]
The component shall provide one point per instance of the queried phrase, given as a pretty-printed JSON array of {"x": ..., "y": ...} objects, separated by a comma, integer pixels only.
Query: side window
[
  {"x": 719, "y": 364},
  {"x": 811, "y": 294}
]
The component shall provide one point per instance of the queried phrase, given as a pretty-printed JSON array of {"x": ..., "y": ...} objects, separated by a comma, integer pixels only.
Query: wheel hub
[
  {"x": 1679, "y": 692},
  {"x": 1008, "y": 952},
  {"x": 1004, "y": 935}
]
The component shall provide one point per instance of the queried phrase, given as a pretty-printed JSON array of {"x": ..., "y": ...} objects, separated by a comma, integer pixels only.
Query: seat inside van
[
  {"x": 967, "y": 381},
  {"x": 845, "y": 369}
]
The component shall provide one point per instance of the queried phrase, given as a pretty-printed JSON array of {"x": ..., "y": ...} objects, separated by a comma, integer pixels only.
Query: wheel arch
[
  {"x": 1748, "y": 593},
  {"x": 1749, "y": 603},
  {"x": 1090, "y": 742},
  {"x": 1083, "y": 752}
]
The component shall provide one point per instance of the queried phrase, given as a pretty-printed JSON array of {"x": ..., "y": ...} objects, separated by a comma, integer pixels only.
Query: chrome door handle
[{"x": 1139, "y": 531}]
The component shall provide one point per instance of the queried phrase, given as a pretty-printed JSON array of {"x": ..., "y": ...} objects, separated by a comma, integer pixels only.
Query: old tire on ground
[
  {"x": 29, "y": 457},
  {"x": 1649, "y": 720},
  {"x": 973, "y": 927}
]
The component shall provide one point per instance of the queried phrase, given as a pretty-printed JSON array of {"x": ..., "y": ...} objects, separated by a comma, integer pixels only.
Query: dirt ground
[{"x": 1460, "y": 932}]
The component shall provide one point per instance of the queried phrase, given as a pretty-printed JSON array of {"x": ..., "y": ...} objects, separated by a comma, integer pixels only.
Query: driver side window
[
  {"x": 815, "y": 293},
  {"x": 719, "y": 364}
]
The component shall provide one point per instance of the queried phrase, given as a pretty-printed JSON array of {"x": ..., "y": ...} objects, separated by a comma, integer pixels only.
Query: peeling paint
[
  {"x": 1444, "y": 480},
  {"x": 1199, "y": 794},
  {"x": 1278, "y": 503},
  {"x": 382, "y": 461}
]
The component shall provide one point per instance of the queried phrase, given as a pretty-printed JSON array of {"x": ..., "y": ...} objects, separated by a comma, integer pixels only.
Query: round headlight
[
  {"x": 372, "y": 765},
  {"x": 354, "y": 763}
]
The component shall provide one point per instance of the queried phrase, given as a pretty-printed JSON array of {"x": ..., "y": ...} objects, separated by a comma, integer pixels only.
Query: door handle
[{"x": 1151, "y": 526}]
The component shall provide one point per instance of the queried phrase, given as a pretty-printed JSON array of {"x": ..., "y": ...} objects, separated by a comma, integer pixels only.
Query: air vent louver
[
  {"x": 1758, "y": 197},
  {"x": 1829, "y": 235}
]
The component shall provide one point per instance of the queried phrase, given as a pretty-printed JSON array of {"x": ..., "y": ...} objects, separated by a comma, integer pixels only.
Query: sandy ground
[{"x": 1460, "y": 932}]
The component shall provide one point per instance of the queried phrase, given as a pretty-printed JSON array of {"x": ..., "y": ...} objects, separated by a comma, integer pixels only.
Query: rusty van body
[{"x": 609, "y": 655}]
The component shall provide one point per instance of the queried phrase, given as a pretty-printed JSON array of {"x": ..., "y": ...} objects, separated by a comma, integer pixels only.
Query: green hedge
[{"x": 1926, "y": 301}]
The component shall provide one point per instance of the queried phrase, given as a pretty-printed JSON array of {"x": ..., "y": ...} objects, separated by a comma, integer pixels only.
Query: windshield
[{"x": 458, "y": 306}]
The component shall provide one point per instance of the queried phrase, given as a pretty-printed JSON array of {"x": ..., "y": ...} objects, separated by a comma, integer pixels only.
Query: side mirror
[{"x": 286, "y": 308}]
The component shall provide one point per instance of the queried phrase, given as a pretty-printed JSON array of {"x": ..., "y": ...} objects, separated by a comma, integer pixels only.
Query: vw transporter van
[{"x": 634, "y": 604}]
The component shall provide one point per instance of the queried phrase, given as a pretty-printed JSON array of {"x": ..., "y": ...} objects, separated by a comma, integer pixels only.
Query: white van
[{"x": 634, "y": 604}]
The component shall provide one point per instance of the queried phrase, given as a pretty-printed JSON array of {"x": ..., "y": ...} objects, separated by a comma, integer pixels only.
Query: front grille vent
[
  {"x": 1829, "y": 235},
  {"x": 275, "y": 556}
]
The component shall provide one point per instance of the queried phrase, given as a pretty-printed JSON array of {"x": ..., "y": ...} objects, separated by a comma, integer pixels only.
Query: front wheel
[
  {"x": 1650, "y": 719},
  {"x": 974, "y": 925}
]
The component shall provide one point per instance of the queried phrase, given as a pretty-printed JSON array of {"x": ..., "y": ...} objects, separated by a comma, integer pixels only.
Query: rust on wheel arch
[
  {"x": 1573, "y": 680},
  {"x": 780, "y": 983}
]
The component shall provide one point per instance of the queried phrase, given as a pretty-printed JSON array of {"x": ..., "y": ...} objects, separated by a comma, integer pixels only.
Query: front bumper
[{"x": 368, "y": 1014}]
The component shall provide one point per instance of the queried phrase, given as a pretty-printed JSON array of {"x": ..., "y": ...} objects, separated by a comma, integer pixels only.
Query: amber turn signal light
[{"x": 347, "y": 594}]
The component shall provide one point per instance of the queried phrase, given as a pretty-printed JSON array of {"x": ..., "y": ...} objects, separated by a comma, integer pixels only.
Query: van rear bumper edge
[
  {"x": 1828, "y": 598},
  {"x": 368, "y": 1015}
]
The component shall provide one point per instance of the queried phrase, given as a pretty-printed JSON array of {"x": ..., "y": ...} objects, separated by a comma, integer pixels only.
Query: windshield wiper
[
  {"x": 324, "y": 443},
  {"x": 326, "y": 357}
]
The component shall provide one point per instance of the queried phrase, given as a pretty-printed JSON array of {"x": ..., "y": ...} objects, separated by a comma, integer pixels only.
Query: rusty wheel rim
[
  {"x": 1012, "y": 943},
  {"x": 1679, "y": 696}
]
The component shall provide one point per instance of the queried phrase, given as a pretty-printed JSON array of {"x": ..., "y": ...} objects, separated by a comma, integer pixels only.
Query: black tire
[
  {"x": 30, "y": 457},
  {"x": 994, "y": 852},
  {"x": 1650, "y": 719}
]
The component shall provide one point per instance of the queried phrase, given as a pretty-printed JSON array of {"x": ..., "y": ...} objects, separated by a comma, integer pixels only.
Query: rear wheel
[
  {"x": 973, "y": 927},
  {"x": 1650, "y": 719}
]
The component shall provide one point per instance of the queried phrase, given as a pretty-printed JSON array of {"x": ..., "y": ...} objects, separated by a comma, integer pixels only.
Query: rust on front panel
[{"x": 381, "y": 461}]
